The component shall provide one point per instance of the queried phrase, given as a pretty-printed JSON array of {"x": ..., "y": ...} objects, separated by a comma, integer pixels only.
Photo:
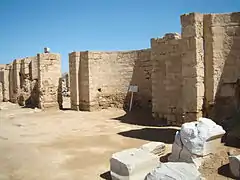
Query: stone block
[{"x": 132, "y": 164}]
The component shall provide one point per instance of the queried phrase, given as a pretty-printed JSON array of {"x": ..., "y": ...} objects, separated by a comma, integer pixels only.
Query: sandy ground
[{"x": 60, "y": 145}]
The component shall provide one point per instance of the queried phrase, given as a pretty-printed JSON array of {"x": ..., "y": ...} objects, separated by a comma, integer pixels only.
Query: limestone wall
[
  {"x": 101, "y": 79},
  {"x": 192, "y": 66},
  {"x": 111, "y": 73},
  {"x": 74, "y": 60},
  {"x": 6, "y": 95},
  {"x": 15, "y": 80},
  {"x": 167, "y": 78},
  {"x": 33, "y": 67},
  {"x": 222, "y": 56},
  {"x": 24, "y": 98},
  {"x": 32, "y": 81},
  {"x": 1, "y": 91},
  {"x": 4, "y": 79},
  {"x": 49, "y": 74}
]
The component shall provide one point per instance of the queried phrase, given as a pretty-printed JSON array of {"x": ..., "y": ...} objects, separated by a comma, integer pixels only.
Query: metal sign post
[{"x": 132, "y": 89}]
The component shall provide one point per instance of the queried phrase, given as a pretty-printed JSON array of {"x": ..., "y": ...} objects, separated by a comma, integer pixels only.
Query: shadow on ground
[
  {"x": 140, "y": 117},
  {"x": 165, "y": 135},
  {"x": 106, "y": 175},
  {"x": 225, "y": 171}
]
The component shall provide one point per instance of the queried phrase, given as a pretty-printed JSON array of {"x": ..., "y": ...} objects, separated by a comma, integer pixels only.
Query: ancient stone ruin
[
  {"x": 32, "y": 81},
  {"x": 181, "y": 77}
]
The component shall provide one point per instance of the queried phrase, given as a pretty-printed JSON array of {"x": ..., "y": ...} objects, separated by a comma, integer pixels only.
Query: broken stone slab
[
  {"x": 180, "y": 153},
  {"x": 132, "y": 164},
  {"x": 174, "y": 171},
  {"x": 157, "y": 148},
  {"x": 194, "y": 135},
  {"x": 234, "y": 164}
]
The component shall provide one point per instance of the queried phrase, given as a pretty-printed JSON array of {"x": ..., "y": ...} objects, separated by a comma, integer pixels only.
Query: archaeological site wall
[
  {"x": 167, "y": 77},
  {"x": 182, "y": 76},
  {"x": 32, "y": 81},
  {"x": 101, "y": 79},
  {"x": 207, "y": 55},
  {"x": 222, "y": 57}
]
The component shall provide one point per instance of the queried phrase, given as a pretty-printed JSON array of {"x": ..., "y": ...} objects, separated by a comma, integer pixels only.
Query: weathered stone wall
[
  {"x": 74, "y": 60},
  {"x": 33, "y": 68},
  {"x": 192, "y": 66},
  {"x": 24, "y": 98},
  {"x": 4, "y": 79},
  {"x": 167, "y": 78},
  {"x": 33, "y": 81},
  {"x": 1, "y": 91},
  {"x": 15, "y": 80},
  {"x": 222, "y": 57},
  {"x": 49, "y": 73},
  {"x": 178, "y": 72},
  {"x": 101, "y": 79},
  {"x": 111, "y": 73}
]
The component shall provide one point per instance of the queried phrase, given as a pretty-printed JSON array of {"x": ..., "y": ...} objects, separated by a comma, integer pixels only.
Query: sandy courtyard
[
  {"x": 65, "y": 144},
  {"x": 62, "y": 145}
]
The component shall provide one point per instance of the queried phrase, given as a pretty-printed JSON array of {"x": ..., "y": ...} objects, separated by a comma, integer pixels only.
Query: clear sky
[{"x": 27, "y": 26}]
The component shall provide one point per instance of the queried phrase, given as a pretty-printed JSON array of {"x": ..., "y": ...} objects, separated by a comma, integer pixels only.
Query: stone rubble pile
[{"x": 192, "y": 144}]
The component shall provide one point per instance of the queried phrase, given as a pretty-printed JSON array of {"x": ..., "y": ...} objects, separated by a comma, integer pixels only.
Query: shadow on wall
[
  {"x": 141, "y": 77},
  {"x": 141, "y": 112},
  {"x": 225, "y": 110},
  {"x": 165, "y": 135},
  {"x": 227, "y": 101},
  {"x": 33, "y": 100}
]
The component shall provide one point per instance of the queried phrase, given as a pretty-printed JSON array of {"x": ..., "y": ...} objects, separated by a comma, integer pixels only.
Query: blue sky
[{"x": 27, "y": 26}]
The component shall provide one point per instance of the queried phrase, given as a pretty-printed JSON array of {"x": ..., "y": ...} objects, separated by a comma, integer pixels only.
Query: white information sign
[{"x": 133, "y": 88}]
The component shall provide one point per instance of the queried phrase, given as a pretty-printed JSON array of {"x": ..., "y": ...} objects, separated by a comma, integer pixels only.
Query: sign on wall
[{"x": 133, "y": 88}]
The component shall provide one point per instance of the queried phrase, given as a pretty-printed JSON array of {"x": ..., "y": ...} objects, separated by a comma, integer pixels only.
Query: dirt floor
[{"x": 60, "y": 145}]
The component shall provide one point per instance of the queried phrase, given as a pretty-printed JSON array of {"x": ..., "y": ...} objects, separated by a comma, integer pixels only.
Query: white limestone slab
[{"x": 132, "y": 164}]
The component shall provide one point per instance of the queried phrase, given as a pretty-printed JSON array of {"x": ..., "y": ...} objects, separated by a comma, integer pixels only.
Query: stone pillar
[
  {"x": 16, "y": 80},
  {"x": 10, "y": 80},
  {"x": 49, "y": 72},
  {"x": 192, "y": 66},
  {"x": 67, "y": 82},
  {"x": 74, "y": 63},
  {"x": 6, "y": 93},
  {"x": 1, "y": 91}
]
